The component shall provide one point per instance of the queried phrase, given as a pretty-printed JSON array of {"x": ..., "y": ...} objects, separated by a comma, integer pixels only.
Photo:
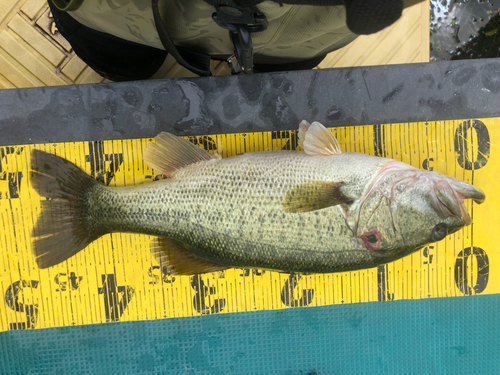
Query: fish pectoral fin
[
  {"x": 175, "y": 255},
  {"x": 171, "y": 153},
  {"x": 314, "y": 195},
  {"x": 317, "y": 140}
]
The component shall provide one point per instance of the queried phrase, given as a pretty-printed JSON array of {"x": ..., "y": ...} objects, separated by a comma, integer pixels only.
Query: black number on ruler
[
  {"x": 383, "y": 284},
  {"x": 426, "y": 164},
  {"x": 290, "y": 295},
  {"x": 158, "y": 177},
  {"x": 14, "y": 298},
  {"x": 116, "y": 298},
  {"x": 290, "y": 136},
  {"x": 462, "y": 271},
  {"x": 202, "y": 301},
  {"x": 427, "y": 254},
  {"x": 280, "y": 134},
  {"x": 165, "y": 275},
  {"x": 14, "y": 179},
  {"x": 470, "y": 155},
  {"x": 3, "y": 154},
  {"x": 254, "y": 271},
  {"x": 62, "y": 280},
  {"x": 379, "y": 140},
  {"x": 205, "y": 141},
  {"x": 4, "y": 151},
  {"x": 103, "y": 166}
]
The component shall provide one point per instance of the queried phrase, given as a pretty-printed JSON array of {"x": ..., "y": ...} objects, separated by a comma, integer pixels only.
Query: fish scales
[{"x": 230, "y": 211}]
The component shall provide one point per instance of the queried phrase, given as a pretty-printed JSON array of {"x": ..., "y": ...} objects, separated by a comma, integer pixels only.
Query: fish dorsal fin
[
  {"x": 171, "y": 153},
  {"x": 314, "y": 195},
  {"x": 315, "y": 139},
  {"x": 303, "y": 127},
  {"x": 175, "y": 255}
]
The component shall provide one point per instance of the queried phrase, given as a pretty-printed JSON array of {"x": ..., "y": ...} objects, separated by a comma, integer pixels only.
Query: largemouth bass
[{"x": 315, "y": 211}]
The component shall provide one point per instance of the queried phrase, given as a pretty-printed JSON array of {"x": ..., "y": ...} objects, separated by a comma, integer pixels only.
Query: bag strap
[
  {"x": 66, "y": 5},
  {"x": 198, "y": 63}
]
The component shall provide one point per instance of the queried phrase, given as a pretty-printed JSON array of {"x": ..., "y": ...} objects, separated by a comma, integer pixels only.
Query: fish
[{"x": 319, "y": 210}]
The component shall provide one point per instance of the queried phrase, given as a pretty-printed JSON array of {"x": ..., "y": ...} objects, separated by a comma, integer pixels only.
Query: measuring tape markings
[{"x": 115, "y": 278}]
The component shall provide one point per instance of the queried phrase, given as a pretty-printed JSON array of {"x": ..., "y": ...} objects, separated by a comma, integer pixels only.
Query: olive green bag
[{"x": 293, "y": 33}]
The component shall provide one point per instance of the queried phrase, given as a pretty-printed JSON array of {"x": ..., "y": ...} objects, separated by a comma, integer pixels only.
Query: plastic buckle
[
  {"x": 243, "y": 48},
  {"x": 230, "y": 17},
  {"x": 240, "y": 23},
  {"x": 234, "y": 64}
]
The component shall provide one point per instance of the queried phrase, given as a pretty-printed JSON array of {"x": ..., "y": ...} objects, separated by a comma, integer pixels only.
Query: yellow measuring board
[{"x": 117, "y": 279}]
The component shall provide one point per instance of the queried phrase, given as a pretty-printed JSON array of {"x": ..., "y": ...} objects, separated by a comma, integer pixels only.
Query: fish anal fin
[
  {"x": 315, "y": 139},
  {"x": 314, "y": 195},
  {"x": 171, "y": 153},
  {"x": 175, "y": 255}
]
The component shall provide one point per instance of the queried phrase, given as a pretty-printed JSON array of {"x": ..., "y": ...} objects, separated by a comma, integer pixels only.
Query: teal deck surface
[{"x": 459, "y": 335}]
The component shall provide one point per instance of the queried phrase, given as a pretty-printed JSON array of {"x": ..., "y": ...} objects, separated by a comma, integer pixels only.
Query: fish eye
[
  {"x": 439, "y": 232},
  {"x": 372, "y": 238}
]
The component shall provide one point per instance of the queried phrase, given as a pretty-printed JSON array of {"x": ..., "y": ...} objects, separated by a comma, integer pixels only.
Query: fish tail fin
[{"x": 62, "y": 228}]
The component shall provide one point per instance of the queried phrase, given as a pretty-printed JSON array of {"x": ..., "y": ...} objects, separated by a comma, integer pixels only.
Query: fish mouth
[{"x": 448, "y": 195}]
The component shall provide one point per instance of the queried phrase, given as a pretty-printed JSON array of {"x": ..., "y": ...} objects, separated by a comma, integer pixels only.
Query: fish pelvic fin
[
  {"x": 171, "y": 153},
  {"x": 175, "y": 255},
  {"x": 315, "y": 139},
  {"x": 314, "y": 195},
  {"x": 61, "y": 229}
]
